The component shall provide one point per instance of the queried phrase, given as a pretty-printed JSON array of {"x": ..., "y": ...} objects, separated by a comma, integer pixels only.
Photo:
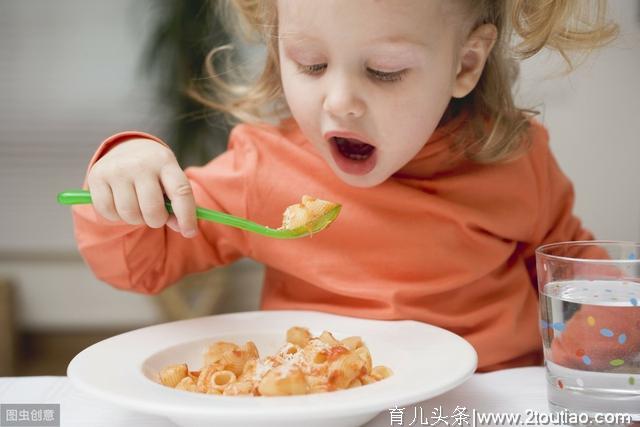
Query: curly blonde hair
[{"x": 496, "y": 126}]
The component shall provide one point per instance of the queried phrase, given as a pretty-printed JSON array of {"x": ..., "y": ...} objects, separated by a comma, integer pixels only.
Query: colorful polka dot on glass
[{"x": 592, "y": 326}]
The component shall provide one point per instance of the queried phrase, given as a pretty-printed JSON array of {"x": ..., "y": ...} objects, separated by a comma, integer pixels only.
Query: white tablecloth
[{"x": 508, "y": 391}]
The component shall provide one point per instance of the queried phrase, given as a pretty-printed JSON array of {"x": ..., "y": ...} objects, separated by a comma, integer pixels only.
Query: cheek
[
  {"x": 301, "y": 101},
  {"x": 412, "y": 118},
  {"x": 421, "y": 104}
]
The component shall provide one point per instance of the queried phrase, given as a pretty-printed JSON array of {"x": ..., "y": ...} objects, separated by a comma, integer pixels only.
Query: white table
[{"x": 508, "y": 391}]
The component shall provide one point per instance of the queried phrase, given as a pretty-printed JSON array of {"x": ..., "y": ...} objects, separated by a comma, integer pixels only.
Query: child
[{"x": 402, "y": 112}]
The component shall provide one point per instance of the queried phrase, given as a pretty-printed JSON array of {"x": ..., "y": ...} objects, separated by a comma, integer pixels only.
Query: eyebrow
[
  {"x": 298, "y": 37},
  {"x": 400, "y": 39}
]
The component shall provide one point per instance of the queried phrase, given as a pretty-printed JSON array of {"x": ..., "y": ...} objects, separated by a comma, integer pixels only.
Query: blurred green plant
[{"x": 184, "y": 32}]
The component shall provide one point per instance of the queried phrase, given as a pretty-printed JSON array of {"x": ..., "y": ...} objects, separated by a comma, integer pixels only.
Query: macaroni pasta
[{"x": 304, "y": 365}]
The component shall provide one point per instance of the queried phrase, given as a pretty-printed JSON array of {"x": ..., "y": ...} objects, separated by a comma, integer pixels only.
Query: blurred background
[{"x": 73, "y": 72}]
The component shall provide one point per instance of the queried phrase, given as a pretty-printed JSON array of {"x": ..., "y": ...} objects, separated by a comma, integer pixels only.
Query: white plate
[{"x": 426, "y": 361}]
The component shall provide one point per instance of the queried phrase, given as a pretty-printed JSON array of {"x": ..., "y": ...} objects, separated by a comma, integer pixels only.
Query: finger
[
  {"x": 126, "y": 201},
  {"x": 177, "y": 187},
  {"x": 102, "y": 200},
  {"x": 151, "y": 201},
  {"x": 172, "y": 223}
]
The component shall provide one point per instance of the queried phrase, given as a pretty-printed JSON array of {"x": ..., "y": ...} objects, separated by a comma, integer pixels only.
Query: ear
[{"x": 473, "y": 57}]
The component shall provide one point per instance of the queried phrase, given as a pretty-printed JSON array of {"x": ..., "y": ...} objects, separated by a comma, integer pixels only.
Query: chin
[{"x": 362, "y": 181}]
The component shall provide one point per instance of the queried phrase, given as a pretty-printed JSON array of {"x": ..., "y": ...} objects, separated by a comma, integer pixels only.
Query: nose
[{"x": 342, "y": 100}]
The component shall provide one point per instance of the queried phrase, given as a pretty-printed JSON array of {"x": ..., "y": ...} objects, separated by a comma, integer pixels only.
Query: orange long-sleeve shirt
[{"x": 444, "y": 241}]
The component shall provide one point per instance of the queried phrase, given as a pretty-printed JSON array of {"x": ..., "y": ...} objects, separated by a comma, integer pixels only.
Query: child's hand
[{"x": 129, "y": 182}]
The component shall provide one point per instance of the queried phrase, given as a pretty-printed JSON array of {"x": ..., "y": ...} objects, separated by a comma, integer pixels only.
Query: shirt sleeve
[
  {"x": 555, "y": 220},
  {"x": 142, "y": 259}
]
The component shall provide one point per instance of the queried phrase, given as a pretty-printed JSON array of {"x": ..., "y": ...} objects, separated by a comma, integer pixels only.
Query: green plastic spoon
[{"x": 83, "y": 197}]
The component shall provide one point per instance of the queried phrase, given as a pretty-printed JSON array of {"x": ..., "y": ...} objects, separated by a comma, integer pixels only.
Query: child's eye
[
  {"x": 312, "y": 69},
  {"x": 315, "y": 69},
  {"x": 384, "y": 76}
]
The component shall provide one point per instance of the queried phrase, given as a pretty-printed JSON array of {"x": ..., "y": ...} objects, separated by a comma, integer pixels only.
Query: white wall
[
  {"x": 69, "y": 79},
  {"x": 594, "y": 119}
]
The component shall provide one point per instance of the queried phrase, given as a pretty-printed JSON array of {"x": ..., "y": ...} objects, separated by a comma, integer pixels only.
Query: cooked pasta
[
  {"x": 173, "y": 374},
  {"x": 304, "y": 365},
  {"x": 305, "y": 213}
]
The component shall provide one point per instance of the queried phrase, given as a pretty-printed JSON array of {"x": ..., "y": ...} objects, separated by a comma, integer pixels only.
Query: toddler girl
[{"x": 402, "y": 112}]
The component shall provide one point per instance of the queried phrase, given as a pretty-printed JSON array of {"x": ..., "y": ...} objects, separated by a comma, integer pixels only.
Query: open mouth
[
  {"x": 352, "y": 148},
  {"x": 353, "y": 156}
]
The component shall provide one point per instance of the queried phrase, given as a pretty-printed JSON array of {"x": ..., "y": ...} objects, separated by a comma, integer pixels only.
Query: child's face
[{"x": 369, "y": 71}]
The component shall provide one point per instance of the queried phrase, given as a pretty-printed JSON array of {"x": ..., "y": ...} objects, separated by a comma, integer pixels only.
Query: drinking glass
[{"x": 590, "y": 325}]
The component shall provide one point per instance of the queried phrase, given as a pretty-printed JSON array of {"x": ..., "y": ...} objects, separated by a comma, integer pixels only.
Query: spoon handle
[{"x": 83, "y": 197}]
